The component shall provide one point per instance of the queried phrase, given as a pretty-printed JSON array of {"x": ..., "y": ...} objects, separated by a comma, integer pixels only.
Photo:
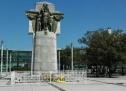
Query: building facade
[{"x": 17, "y": 60}]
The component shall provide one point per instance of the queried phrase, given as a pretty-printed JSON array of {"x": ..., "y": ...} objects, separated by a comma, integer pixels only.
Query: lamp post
[
  {"x": 6, "y": 60},
  {"x": 10, "y": 59},
  {"x": 72, "y": 56},
  {"x": 2, "y": 56},
  {"x": 59, "y": 49},
  {"x": 59, "y": 59}
]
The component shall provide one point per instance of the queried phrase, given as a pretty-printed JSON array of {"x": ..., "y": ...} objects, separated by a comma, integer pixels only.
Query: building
[{"x": 20, "y": 60}]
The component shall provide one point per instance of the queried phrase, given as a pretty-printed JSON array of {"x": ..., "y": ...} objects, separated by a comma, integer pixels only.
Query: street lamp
[
  {"x": 10, "y": 59},
  {"x": 59, "y": 49},
  {"x": 6, "y": 60},
  {"x": 2, "y": 56},
  {"x": 72, "y": 56}
]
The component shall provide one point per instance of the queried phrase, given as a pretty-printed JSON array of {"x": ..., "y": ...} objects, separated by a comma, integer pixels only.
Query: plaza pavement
[
  {"x": 95, "y": 84},
  {"x": 91, "y": 84},
  {"x": 28, "y": 87}
]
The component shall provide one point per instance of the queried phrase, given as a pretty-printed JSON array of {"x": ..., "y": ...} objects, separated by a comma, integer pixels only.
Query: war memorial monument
[{"x": 44, "y": 25}]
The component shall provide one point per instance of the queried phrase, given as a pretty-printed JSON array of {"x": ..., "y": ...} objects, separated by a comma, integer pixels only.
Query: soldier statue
[{"x": 44, "y": 19}]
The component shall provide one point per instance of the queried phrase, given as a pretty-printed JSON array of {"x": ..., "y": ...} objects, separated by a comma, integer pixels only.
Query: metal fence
[{"x": 62, "y": 76}]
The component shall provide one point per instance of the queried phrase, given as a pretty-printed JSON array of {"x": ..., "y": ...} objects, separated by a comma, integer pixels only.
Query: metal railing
[{"x": 62, "y": 76}]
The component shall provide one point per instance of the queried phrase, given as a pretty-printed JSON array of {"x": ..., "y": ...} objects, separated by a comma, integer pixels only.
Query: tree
[
  {"x": 104, "y": 49},
  {"x": 78, "y": 58},
  {"x": 65, "y": 58}
]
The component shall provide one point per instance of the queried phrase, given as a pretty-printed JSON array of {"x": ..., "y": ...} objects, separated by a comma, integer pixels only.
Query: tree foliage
[
  {"x": 78, "y": 57},
  {"x": 104, "y": 48}
]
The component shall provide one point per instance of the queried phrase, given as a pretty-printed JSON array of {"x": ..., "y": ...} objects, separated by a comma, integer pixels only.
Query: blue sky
[{"x": 80, "y": 16}]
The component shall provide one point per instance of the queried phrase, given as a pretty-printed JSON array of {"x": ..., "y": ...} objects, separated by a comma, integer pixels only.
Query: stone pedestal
[{"x": 45, "y": 52}]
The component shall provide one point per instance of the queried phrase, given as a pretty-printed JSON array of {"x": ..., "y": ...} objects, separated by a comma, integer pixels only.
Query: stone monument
[{"x": 44, "y": 25}]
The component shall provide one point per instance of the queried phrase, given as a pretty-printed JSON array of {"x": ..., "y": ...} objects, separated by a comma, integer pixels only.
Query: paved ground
[
  {"x": 29, "y": 87},
  {"x": 91, "y": 84}
]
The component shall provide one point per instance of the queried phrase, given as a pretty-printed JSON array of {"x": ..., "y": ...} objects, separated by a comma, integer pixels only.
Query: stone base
[{"x": 45, "y": 58}]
